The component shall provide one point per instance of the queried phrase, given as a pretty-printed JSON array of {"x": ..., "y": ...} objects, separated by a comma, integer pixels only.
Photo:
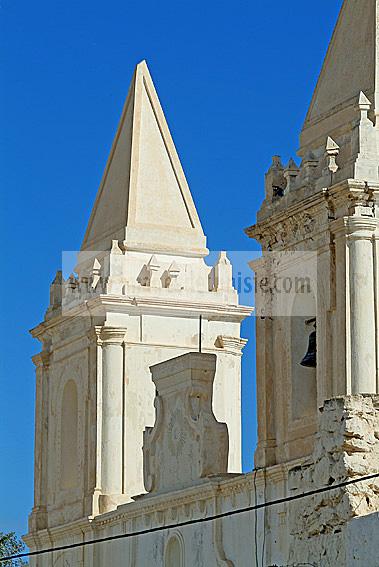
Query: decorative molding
[
  {"x": 355, "y": 227},
  {"x": 313, "y": 215},
  {"x": 94, "y": 335},
  {"x": 218, "y": 540},
  {"x": 233, "y": 345},
  {"x": 195, "y": 501},
  {"x": 98, "y": 305},
  {"x": 186, "y": 436},
  {"x": 112, "y": 336},
  {"x": 289, "y": 228},
  {"x": 41, "y": 359}
]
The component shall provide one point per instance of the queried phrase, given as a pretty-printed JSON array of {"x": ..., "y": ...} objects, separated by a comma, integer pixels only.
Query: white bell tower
[
  {"x": 140, "y": 287},
  {"x": 325, "y": 211}
]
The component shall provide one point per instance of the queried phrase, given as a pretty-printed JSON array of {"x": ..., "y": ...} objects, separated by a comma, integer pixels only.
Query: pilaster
[
  {"x": 38, "y": 516},
  {"x": 112, "y": 455},
  {"x": 356, "y": 346},
  {"x": 341, "y": 366},
  {"x": 362, "y": 304},
  {"x": 95, "y": 418}
]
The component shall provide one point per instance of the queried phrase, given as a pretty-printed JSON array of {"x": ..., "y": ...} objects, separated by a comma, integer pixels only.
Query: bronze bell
[{"x": 310, "y": 358}]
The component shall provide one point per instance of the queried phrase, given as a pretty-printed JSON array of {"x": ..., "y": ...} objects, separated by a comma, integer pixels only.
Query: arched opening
[
  {"x": 69, "y": 437},
  {"x": 304, "y": 379},
  {"x": 174, "y": 553}
]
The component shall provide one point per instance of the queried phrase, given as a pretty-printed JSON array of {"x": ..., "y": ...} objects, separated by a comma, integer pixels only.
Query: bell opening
[{"x": 310, "y": 358}]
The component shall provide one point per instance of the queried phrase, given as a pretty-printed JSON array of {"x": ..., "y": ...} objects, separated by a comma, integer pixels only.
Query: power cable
[{"x": 196, "y": 521}]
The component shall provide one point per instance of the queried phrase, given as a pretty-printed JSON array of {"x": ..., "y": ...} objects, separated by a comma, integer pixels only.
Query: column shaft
[
  {"x": 112, "y": 410},
  {"x": 362, "y": 306},
  {"x": 341, "y": 371}
]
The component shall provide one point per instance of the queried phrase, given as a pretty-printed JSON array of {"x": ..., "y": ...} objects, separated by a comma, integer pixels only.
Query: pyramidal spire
[
  {"x": 144, "y": 200},
  {"x": 351, "y": 65}
]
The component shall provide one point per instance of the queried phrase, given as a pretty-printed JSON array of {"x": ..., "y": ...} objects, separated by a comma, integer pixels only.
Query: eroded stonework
[{"x": 347, "y": 448}]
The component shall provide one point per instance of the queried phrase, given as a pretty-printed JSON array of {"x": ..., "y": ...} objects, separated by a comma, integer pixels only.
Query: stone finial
[
  {"x": 221, "y": 276},
  {"x": 275, "y": 183},
  {"x": 56, "y": 290},
  {"x": 170, "y": 276},
  {"x": 364, "y": 104},
  {"x": 187, "y": 443},
  {"x": 290, "y": 174},
  {"x": 332, "y": 150},
  {"x": 95, "y": 273},
  {"x": 71, "y": 290},
  {"x": 364, "y": 143},
  {"x": 58, "y": 280},
  {"x": 174, "y": 269},
  {"x": 153, "y": 268},
  {"x": 115, "y": 247},
  {"x": 148, "y": 276},
  {"x": 72, "y": 282},
  {"x": 116, "y": 280}
]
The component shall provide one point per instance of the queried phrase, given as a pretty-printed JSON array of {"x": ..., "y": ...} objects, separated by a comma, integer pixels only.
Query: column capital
[
  {"x": 357, "y": 228},
  {"x": 362, "y": 228},
  {"x": 112, "y": 335},
  {"x": 233, "y": 345},
  {"x": 41, "y": 359},
  {"x": 94, "y": 333}
]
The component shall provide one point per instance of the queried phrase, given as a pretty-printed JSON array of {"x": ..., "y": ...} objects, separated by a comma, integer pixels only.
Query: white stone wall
[
  {"x": 335, "y": 528},
  {"x": 105, "y": 343}
]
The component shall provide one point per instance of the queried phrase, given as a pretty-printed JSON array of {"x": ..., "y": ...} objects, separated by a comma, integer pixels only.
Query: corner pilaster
[
  {"x": 112, "y": 454},
  {"x": 38, "y": 516},
  {"x": 356, "y": 303}
]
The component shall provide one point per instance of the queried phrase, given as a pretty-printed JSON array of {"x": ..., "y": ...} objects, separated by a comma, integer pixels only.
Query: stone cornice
[
  {"x": 45, "y": 537},
  {"x": 282, "y": 215},
  {"x": 195, "y": 502},
  {"x": 194, "y": 496},
  {"x": 351, "y": 193},
  {"x": 304, "y": 217},
  {"x": 146, "y": 306},
  {"x": 155, "y": 306}
]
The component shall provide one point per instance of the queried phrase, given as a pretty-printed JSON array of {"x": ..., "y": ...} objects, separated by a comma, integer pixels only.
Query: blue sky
[{"x": 234, "y": 79}]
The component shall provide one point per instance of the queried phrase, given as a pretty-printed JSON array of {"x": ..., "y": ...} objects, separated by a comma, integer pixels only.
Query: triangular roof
[
  {"x": 144, "y": 199},
  {"x": 350, "y": 66}
]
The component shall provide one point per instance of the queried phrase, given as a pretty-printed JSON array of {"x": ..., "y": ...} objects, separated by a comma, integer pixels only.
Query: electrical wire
[{"x": 196, "y": 521}]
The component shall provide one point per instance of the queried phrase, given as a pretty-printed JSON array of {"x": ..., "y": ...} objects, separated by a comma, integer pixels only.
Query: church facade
[{"x": 138, "y": 409}]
